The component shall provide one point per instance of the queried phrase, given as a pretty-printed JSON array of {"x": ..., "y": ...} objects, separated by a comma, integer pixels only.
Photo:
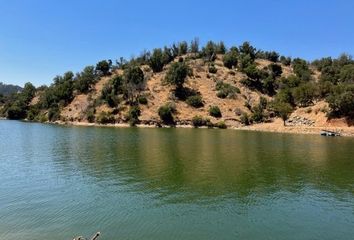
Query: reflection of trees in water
[{"x": 187, "y": 164}]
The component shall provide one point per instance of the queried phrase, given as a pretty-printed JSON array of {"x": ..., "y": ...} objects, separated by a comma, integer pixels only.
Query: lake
[{"x": 57, "y": 182}]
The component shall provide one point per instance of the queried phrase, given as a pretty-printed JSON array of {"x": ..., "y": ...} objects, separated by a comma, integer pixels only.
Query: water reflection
[{"x": 189, "y": 165}]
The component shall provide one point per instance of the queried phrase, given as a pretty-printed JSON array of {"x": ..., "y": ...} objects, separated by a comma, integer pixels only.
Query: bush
[
  {"x": 16, "y": 112},
  {"x": 275, "y": 69},
  {"x": 195, "y": 101},
  {"x": 53, "y": 114},
  {"x": 142, "y": 100},
  {"x": 199, "y": 121},
  {"x": 85, "y": 79},
  {"x": 214, "y": 111},
  {"x": 133, "y": 115},
  {"x": 301, "y": 69},
  {"x": 105, "y": 118},
  {"x": 212, "y": 69},
  {"x": 177, "y": 74},
  {"x": 156, "y": 61},
  {"x": 166, "y": 113},
  {"x": 226, "y": 90},
  {"x": 221, "y": 125},
  {"x": 104, "y": 67},
  {"x": 245, "y": 119},
  {"x": 230, "y": 59},
  {"x": 304, "y": 94}
]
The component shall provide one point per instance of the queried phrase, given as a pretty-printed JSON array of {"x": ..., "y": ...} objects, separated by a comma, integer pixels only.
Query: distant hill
[{"x": 7, "y": 89}]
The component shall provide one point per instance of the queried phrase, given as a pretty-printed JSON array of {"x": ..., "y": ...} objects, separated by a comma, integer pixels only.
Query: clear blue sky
[{"x": 40, "y": 39}]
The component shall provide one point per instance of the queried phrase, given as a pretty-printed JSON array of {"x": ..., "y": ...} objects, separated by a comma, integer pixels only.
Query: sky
[{"x": 40, "y": 39}]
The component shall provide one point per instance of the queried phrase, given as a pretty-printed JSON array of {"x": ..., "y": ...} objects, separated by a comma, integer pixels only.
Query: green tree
[
  {"x": 247, "y": 49},
  {"x": 134, "y": 82},
  {"x": 275, "y": 70},
  {"x": 156, "y": 61},
  {"x": 104, "y": 67},
  {"x": 301, "y": 69},
  {"x": 282, "y": 110},
  {"x": 85, "y": 79},
  {"x": 177, "y": 74},
  {"x": 215, "y": 111},
  {"x": 346, "y": 74},
  {"x": 194, "y": 46},
  {"x": 166, "y": 113},
  {"x": 230, "y": 59}
]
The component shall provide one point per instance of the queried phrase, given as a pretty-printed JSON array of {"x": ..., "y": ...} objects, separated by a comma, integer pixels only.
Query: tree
[
  {"x": 156, "y": 60},
  {"x": 285, "y": 60},
  {"x": 209, "y": 51},
  {"x": 103, "y": 67},
  {"x": 283, "y": 110},
  {"x": 214, "y": 111},
  {"x": 342, "y": 103},
  {"x": 275, "y": 69},
  {"x": 177, "y": 74},
  {"x": 134, "y": 82},
  {"x": 28, "y": 93},
  {"x": 346, "y": 74},
  {"x": 85, "y": 79},
  {"x": 194, "y": 46},
  {"x": 221, "y": 48},
  {"x": 304, "y": 94},
  {"x": 230, "y": 59},
  {"x": 166, "y": 113},
  {"x": 247, "y": 49},
  {"x": 301, "y": 69},
  {"x": 182, "y": 48}
]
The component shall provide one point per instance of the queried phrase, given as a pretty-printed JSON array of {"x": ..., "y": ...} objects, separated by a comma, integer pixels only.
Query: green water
[{"x": 57, "y": 182}]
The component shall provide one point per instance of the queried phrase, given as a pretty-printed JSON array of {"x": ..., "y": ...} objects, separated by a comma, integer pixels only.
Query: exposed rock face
[{"x": 300, "y": 121}]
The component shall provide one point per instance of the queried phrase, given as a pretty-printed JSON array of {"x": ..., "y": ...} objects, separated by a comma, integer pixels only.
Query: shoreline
[
  {"x": 344, "y": 131},
  {"x": 264, "y": 127}
]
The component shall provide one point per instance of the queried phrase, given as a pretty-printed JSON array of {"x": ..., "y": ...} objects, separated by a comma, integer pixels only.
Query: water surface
[{"x": 57, "y": 182}]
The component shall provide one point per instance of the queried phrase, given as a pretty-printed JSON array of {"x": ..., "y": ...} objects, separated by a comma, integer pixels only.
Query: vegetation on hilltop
[{"x": 125, "y": 92}]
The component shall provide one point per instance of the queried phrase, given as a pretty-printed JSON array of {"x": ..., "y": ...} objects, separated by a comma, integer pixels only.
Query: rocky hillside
[{"x": 182, "y": 85}]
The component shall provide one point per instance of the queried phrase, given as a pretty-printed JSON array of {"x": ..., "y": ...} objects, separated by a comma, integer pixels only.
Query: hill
[
  {"x": 7, "y": 89},
  {"x": 183, "y": 85}
]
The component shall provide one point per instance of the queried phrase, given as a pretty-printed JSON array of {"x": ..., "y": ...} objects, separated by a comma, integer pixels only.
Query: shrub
[
  {"x": 105, "y": 118},
  {"x": 195, "y": 101},
  {"x": 156, "y": 61},
  {"x": 209, "y": 51},
  {"x": 53, "y": 114},
  {"x": 221, "y": 125},
  {"x": 85, "y": 79},
  {"x": 177, "y": 74},
  {"x": 194, "y": 46},
  {"x": 304, "y": 94},
  {"x": 275, "y": 69},
  {"x": 133, "y": 115},
  {"x": 166, "y": 113},
  {"x": 212, "y": 69},
  {"x": 199, "y": 121},
  {"x": 226, "y": 90},
  {"x": 257, "y": 114},
  {"x": 230, "y": 59},
  {"x": 90, "y": 117},
  {"x": 142, "y": 100},
  {"x": 103, "y": 67},
  {"x": 301, "y": 69},
  {"x": 214, "y": 111},
  {"x": 285, "y": 60},
  {"x": 245, "y": 119},
  {"x": 134, "y": 82}
]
